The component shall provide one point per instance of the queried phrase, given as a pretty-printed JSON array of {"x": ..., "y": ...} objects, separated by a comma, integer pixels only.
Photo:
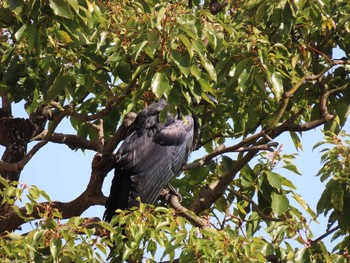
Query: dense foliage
[{"x": 268, "y": 63}]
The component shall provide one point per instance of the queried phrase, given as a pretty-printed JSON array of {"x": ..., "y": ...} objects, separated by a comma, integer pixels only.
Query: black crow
[{"x": 150, "y": 156}]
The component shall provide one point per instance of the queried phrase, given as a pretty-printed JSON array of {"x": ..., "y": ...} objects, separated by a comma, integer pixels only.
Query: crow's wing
[{"x": 156, "y": 158}]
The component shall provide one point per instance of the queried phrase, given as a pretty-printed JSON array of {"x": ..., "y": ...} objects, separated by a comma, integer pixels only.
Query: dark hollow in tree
[{"x": 151, "y": 155}]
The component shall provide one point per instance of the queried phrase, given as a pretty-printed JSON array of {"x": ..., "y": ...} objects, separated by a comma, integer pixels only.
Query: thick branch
[
  {"x": 208, "y": 195},
  {"x": 183, "y": 211},
  {"x": 12, "y": 220},
  {"x": 93, "y": 195},
  {"x": 6, "y": 110},
  {"x": 72, "y": 141},
  {"x": 18, "y": 166}
]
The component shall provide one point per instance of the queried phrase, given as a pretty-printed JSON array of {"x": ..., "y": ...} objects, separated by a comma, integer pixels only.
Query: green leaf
[
  {"x": 275, "y": 180},
  {"x": 188, "y": 27},
  {"x": 206, "y": 86},
  {"x": 61, "y": 8},
  {"x": 32, "y": 35},
  {"x": 153, "y": 38},
  {"x": 138, "y": 48},
  {"x": 279, "y": 203},
  {"x": 253, "y": 224},
  {"x": 303, "y": 255},
  {"x": 302, "y": 202},
  {"x": 296, "y": 141},
  {"x": 196, "y": 72},
  {"x": 124, "y": 71},
  {"x": 292, "y": 168},
  {"x": 187, "y": 44},
  {"x": 277, "y": 85},
  {"x": 182, "y": 62},
  {"x": 160, "y": 17},
  {"x": 318, "y": 144},
  {"x": 74, "y": 4},
  {"x": 244, "y": 78},
  {"x": 20, "y": 32},
  {"x": 29, "y": 208},
  {"x": 37, "y": 236},
  {"x": 14, "y": 236},
  {"x": 160, "y": 85},
  {"x": 208, "y": 67},
  {"x": 337, "y": 197},
  {"x": 63, "y": 37},
  {"x": 55, "y": 247},
  {"x": 333, "y": 125},
  {"x": 300, "y": 3},
  {"x": 206, "y": 63},
  {"x": 288, "y": 183},
  {"x": 57, "y": 87}
]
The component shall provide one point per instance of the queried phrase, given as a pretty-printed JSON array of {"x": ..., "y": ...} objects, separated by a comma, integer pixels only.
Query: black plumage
[{"x": 150, "y": 156}]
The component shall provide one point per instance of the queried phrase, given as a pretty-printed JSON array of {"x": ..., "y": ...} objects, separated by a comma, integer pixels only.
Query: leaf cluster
[{"x": 270, "y": 65}]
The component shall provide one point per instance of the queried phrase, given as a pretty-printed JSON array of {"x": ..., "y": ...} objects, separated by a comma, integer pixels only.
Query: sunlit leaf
[
  {"x": 55, "y": 247},
  {"x": 20, "y": 32},
  {"x": 160, "y": 84},
  {"x": 279, "y": 203},
  {"x": 61, "y": 8},
  {"x": 187, "y": 44},
  {"x": 138, "y": 48},
  {"x": 274, "y": 179},
  {"x": 303, "y": 255},
  {"x": 277, "y": 85},
  {"x": 292, "y": 168},
  {"x": 302, "y": 202}
]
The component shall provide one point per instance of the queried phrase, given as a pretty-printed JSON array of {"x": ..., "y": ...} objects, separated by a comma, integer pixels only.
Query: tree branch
[
  {"x": 93, "y": 195},
  {"x": 235, "y": 148},
  {"x": 18, "y": 166},
  {"x": 72, "y": 141},
  {"x": 256, "y": 207},
  {"x": 11, "y": 221},
  {"x": 309, "y": 77},
  {"x": 325, "y": 115},
  {"x": 208, "y": 195},
  {"x": 315, "y": 241},
  {"x": 183, "y": 211}
]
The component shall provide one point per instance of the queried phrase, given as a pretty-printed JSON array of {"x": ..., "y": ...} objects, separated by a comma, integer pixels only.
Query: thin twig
[
  {"x": 256, "y": 207},
  {"x": 309, "y": 77},
  {"x": 221, "y": 149},
  {"x": 315, "y": 241}
]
